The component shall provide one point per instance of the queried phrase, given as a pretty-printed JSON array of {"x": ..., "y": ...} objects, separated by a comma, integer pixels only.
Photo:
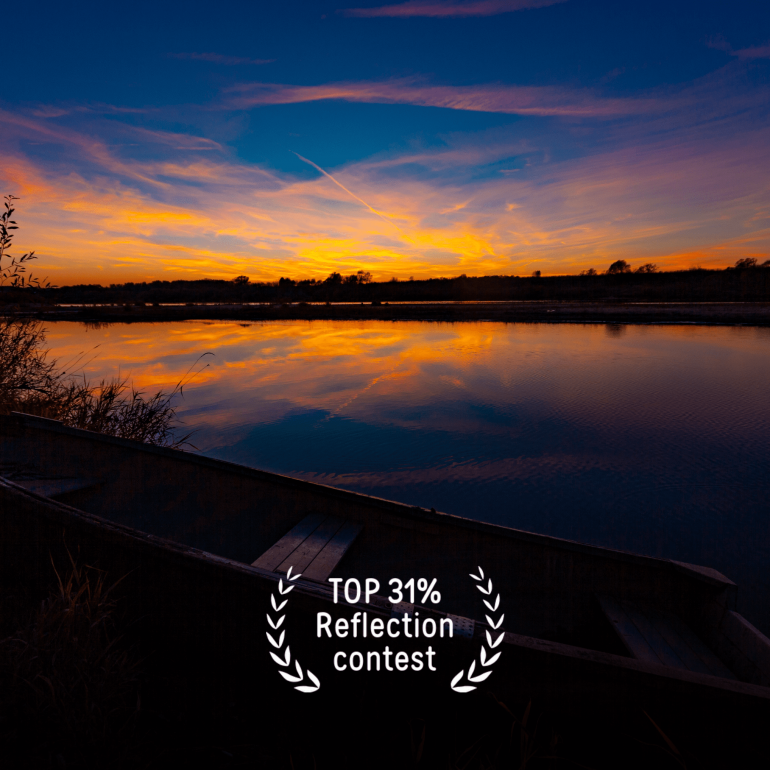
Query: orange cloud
[
  {"x": 357, "y": 358},
  {"x": 93, "y": 213},
  {"x": 393, "y": 374}
]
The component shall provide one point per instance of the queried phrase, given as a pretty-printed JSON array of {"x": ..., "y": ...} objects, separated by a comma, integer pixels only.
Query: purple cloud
[
  {"x": 754, "y": 52},
  {"x": 449, "y": 9}
]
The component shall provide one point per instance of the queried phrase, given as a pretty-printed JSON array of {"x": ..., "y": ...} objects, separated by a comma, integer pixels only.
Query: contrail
[{"x": 352, "y": 195}]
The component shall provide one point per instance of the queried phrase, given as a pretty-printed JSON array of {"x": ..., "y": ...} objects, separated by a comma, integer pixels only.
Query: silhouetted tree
[
  {"x": 241, "y": 280},
  {"x": 621, "y": 266},
  {"x": 13, "y": 268},
  {"x": 590, "y": 271},
  {"x": 335, "y": 279},
  {"x": 648, "y": 268},
  {"x": 745, "y": 263}
]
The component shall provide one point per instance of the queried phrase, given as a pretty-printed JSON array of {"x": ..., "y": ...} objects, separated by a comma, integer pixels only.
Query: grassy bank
[
  {"x": 30, "y": 382},
  {"x": 755, "y": 313}
]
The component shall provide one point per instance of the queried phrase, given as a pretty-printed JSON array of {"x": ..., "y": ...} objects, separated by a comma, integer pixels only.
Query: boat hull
[{"x": 197, "y": 611}]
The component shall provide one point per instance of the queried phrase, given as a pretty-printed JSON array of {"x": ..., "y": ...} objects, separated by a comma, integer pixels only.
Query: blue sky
[{"x": 164, "y": 140}]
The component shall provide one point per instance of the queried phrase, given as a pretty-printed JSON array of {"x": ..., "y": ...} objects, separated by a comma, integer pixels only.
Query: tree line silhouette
[{"x": 747, "y": 280}]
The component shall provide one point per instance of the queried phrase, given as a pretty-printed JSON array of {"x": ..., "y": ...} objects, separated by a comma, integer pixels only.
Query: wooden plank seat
[
  {"x": 313, "y": 547},
  {"x": 660, "y": 637}
]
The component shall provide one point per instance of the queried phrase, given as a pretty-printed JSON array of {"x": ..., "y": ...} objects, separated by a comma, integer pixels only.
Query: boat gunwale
[
  {"x": 313, "y": 591},
  {"x": 710, "y": 576}
]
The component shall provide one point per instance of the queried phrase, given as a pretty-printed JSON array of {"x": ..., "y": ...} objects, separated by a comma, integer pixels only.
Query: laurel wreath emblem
[
  {"x": 278, "y": 643},
  {"x": 485, "y": 660}
]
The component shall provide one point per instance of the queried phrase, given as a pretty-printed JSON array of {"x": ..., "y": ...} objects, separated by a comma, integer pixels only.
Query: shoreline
[{"x": 722, "y": 313}]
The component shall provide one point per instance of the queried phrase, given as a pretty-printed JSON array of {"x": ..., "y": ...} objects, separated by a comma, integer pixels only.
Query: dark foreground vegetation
[
  {"x": 79, "y": 688},
  {"x": 32, "y": 383}
]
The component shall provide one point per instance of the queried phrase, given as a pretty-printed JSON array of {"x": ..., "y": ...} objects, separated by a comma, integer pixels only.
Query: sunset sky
[{"x": 426, "y": 138}]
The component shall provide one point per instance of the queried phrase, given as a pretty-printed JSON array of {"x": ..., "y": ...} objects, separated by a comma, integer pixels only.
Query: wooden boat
[{"x": 206, "y": 545}]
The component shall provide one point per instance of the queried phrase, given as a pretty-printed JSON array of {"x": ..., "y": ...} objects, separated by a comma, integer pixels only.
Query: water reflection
[
  {"x": 616, "y": 330},
  {"x": 653, "y": 439}
]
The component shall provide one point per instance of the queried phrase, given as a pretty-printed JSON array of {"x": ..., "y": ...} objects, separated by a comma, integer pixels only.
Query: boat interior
[{"x": 653, "y": 610}]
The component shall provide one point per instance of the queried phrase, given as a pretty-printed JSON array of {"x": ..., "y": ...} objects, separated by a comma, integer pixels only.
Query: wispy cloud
[
  {"x": 57, "y": 111},
  {"x": 106, "y": 200},
  {"x": 342, "y": 187},
  {"x": 681, "y": 201},
  {"x": 753, "y": 52},
  {"x": 218, "y": 58},
  {"x": 449, "y": 8},
  {"x": 500, "y": 98}
]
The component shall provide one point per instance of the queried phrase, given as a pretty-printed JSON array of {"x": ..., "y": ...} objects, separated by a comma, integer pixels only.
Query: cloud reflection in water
[{"x": 653, "y": 439}]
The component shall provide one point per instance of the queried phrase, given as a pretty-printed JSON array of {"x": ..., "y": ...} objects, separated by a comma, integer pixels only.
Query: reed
[
  {"x": 69, "y": 687},
  {"x": 32, "y": 383}
]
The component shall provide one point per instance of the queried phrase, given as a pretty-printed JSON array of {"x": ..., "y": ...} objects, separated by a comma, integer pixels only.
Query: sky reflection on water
[{"x": 654, "y": 439}]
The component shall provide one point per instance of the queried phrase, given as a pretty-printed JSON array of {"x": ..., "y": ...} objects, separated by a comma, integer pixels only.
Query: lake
[{"x": 649, "y": 438}]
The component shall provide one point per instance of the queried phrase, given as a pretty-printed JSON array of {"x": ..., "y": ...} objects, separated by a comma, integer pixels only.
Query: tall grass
[
  {"x": 30, "y": 382},
  {"x": 68, "y": 685}
]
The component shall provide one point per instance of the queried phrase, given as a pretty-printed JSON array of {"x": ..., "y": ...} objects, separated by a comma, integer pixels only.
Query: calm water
[{"x": 654, "y": 439}]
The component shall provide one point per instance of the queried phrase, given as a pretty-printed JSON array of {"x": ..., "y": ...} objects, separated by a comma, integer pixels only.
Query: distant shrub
[{"x": 620, "y": 266}]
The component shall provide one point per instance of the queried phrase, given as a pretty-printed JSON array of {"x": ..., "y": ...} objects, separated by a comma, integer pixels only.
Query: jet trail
[{"x": 352, "y": 195}]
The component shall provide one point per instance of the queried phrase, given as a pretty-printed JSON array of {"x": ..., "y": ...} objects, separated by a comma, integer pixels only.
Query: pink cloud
[
  {"x": 96, "y": 151},
  {"x": 754, "y": 52},
  {"x": 175, "y": 140},
  {"x": 453, "y": 8},
  {"x": 676, "y": 187},
  {"x": 689, "y": 199},
  {"x": 514, "y": 100}
]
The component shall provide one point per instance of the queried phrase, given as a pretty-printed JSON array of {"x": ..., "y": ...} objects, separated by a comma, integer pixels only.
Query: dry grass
[
  {"x": 68, "y": 686},
  {"x": 31, "y": 383}
]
